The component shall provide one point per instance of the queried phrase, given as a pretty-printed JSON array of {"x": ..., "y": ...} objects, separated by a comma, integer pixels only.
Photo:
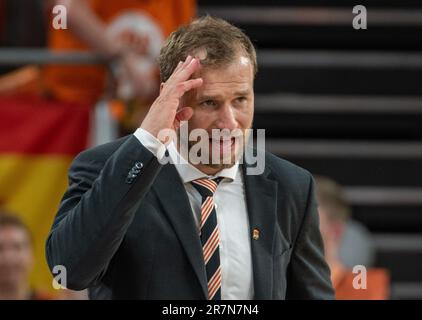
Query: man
[
  {"x": 334, "y": 212},
  {"x": 130, "y": 227},
  {"x": 16, "y": 260}
]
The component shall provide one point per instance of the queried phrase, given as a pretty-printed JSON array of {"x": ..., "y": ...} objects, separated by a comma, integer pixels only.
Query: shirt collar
[{"x": 189, "y": 173}]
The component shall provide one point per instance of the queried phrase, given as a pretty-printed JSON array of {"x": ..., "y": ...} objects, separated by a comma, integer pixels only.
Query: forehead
[
  {"x": 238, "y": 75},
  {"x": 12, "y": 233}
]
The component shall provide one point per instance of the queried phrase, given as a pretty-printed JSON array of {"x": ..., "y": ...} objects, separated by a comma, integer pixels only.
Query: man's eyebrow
[
  {"x": 218, "y": 97},
  {"x": 242, "y": 92},
  {"x": 209, "y": 97}
]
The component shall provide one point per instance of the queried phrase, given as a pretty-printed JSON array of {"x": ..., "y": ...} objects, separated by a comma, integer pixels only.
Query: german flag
[{"x": 38, "y": 140}]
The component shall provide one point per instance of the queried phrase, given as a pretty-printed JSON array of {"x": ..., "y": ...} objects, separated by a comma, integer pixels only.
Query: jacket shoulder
[
  {"x": 101, "y": 152},
  {"x": 286, "y": 171}
]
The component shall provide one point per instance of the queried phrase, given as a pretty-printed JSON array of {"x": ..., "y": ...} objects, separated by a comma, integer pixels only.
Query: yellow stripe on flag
[{"x": 32, "y": 187}]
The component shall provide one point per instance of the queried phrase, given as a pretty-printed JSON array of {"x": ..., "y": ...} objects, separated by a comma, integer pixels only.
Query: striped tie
[{"x": 210, "y": 237}]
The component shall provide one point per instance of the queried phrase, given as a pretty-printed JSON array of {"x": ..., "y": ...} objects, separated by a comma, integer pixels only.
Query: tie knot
[{"x": 206, "y": 186}]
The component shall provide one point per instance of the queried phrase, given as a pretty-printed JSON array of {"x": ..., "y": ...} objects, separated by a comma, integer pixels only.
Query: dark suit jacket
[{"x": 125, "y": 229}]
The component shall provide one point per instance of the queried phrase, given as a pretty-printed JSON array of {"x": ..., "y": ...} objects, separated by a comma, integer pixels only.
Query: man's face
[
  {"x": 224, "y": 101},
  {"x": 15, "y": 256}
]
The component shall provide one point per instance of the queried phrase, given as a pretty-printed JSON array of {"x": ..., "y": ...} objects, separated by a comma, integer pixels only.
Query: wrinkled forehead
[
  {"x": 237, "y": 73},
  {"x": 222, "y": 88},
  {"x": 239, "y": 58}
]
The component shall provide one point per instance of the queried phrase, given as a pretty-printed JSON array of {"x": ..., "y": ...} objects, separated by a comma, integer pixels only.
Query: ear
[{"x": 161, "y": 86}]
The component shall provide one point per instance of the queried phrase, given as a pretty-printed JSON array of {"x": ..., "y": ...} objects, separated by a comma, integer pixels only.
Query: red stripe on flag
[{"x": 32, "y": 125}]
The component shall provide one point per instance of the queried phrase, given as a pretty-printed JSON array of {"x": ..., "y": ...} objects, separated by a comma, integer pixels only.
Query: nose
[{"x": 227, "y": 117}]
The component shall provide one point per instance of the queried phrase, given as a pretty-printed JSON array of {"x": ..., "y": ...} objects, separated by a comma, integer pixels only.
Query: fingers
[
  {"x": 184, "y": 70},
  {"x": 182, "y": 64},
  {"x": 184, "y": 114},
  {"x": 185, "y": 86},
  {"x": 188, "y": 60},
  {"x": 178, "y": 67},
  {"x": 178, "y": 82},
  {"x": 188, "y": 69}
]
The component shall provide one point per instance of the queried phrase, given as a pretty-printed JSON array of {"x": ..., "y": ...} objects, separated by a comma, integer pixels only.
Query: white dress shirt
[{"x": 232, "y": 218}]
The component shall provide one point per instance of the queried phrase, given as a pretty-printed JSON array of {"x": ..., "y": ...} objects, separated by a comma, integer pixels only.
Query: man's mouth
[{"x": 223, "y": 144}]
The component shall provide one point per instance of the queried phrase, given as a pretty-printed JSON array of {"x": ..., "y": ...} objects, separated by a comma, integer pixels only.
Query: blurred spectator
[
  {"x": 16, "y": 260},
  {"x": 334, "y": 213},
  {"x": 356, "y": 245},
  {"x": 129, "y": 34}
]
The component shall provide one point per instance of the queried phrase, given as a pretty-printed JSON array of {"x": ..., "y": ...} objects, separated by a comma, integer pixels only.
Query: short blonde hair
[{"x": 220, "y": 40}]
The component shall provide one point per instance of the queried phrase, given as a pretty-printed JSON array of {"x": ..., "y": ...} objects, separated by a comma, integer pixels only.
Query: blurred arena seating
[{"x": 347, "y": 104}]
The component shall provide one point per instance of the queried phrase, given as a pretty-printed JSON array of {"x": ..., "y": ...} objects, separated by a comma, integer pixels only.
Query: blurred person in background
[
  {"x": 356, "y": 246},
  {"x": 16, "y": 260},
  {"x": 129, "y": 35},
  {"x": 335, "y": 212}
]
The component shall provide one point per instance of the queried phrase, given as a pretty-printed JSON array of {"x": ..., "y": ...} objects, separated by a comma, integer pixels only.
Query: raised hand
[{"x": 166, "y": 112}]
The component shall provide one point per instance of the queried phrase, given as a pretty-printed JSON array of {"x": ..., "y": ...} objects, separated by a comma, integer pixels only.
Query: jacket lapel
[
  {"x": 261, "y": 195},
  {"x": 172, "y": 195}
]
